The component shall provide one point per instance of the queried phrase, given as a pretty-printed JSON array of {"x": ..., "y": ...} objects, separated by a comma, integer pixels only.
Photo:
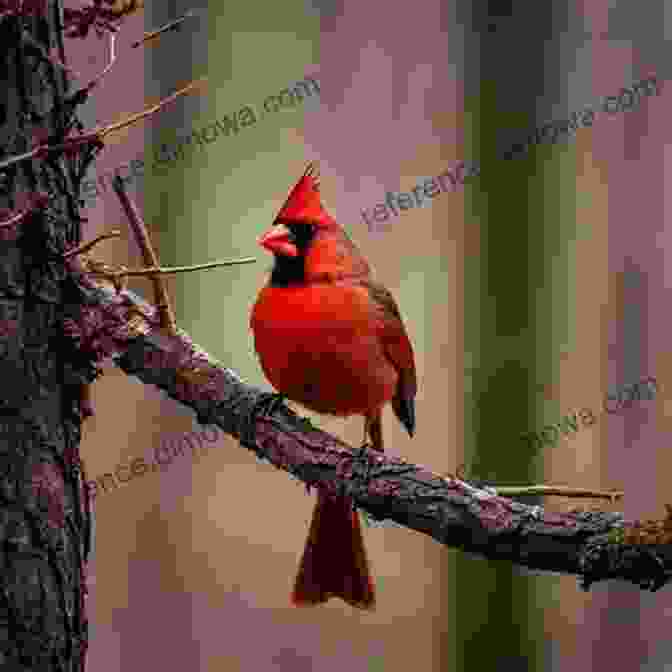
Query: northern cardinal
[{"x": 331, "y": 339}]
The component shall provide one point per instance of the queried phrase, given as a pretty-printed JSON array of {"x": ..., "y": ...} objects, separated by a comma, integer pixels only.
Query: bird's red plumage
[
  {"x": 332, "y": 339},
  {"x": 304, "y": 202},
  {"x": 321, "y": 346}
]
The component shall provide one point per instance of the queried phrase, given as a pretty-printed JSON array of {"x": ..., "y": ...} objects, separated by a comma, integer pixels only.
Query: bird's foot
[
  {"x": 361, "y": 465},
  {"x": 266, "y": 404}
]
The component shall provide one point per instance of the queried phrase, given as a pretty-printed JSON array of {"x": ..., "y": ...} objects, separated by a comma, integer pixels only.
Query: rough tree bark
[
  {"x": 45, "y": 513},
  {"x": 44, "y": 522}
]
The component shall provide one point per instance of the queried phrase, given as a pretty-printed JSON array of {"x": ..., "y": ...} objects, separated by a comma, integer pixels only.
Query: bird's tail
[{"x": 334, "y": 562}]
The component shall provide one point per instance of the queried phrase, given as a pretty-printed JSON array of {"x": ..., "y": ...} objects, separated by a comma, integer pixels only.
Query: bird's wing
[{"x": 398, "y": 350}]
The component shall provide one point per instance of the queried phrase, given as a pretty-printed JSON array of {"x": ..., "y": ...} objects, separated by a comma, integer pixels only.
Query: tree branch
[
  {"x": 594, "y": 545},
  {"x": 84, "y": 247}
]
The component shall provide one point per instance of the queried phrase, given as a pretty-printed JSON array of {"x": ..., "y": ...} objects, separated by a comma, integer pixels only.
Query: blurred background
[{"x": 533, "y": 290}]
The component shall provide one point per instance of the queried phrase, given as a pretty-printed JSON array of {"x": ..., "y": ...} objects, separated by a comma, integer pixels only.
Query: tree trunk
[{"x": 44, "y": 519}]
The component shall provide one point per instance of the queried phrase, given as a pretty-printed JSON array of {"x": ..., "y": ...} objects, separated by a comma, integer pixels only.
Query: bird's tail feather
[{"x": 334, "y": 562}]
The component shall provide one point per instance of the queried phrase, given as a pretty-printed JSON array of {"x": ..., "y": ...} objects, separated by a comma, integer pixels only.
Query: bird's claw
[
  {"x": 269, "y": 402},
  {"x": 361, "y": 465},
  {"x": 361, "y": 453},
  {"x": 266, "y": 404}
]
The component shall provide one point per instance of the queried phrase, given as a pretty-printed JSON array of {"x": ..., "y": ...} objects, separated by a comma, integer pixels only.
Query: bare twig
[
  {"x": 98, "y": 134},
  {"x": 117, "y": 275},
  {"x": 15, "y": 219},
  {"x": 173, "y": 25},
  {"x": 20, "y": 157},
  {"x": 87, "y": 246},
  {"x": 35, "y": 201},
  {"x": 544, "y": 490},
  {"x": 96, "y": 80},
  {"x": 557, "y": 491},
  {"x": 150, "y": 257},
  {"x": 43, "y": 150},
  {"x": 184, "y": 269},
  {"x": 139, "y": 229},
  {"x": 195, "y": 85}
]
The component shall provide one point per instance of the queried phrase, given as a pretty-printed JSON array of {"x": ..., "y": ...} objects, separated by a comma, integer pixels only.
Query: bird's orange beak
[{"x": 279, "y": 240}]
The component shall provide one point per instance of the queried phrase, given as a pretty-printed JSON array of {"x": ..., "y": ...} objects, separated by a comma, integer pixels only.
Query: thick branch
[{"x": 593, "y": 545}]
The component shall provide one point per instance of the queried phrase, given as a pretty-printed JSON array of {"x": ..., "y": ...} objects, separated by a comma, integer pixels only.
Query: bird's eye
[{"x": 302, "y": 231}]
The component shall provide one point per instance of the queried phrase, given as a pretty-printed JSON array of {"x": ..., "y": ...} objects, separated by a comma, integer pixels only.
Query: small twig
[
  {"x": 96, "y": 80},
  {"x": 42, "y": 149},
  {"x": 150, "y": 258},
  {"x": 14, "y": 220},
  {"x": 557, "y": 490},
  {"x": 173, "y": 25},
  {"x": 87, "y": 246},
  {"x": 145, "y": 113},
  {"x": 184, "y": 269},
  {"x": 546, "y": 490},
  {"x": 117, "y": 275},
  {"x": 98, "y": 134},
  {"x": 21, "y": 157},
  {"x": 36, "y": 201}
]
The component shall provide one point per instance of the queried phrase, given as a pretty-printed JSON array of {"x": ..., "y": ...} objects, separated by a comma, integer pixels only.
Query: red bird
[{"x": 330, "y": 338}]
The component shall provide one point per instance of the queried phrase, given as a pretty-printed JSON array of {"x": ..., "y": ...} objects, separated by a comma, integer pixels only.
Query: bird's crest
[{"x": 304, "y": 203}]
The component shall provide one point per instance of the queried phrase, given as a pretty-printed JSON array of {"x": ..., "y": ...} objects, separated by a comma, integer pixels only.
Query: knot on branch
[
  {"x": 603, "y": 558},
  {"x": 640, "y": 550},
  {"x": 88, "y": 336},
  {"x": 364, "y": 467}
]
